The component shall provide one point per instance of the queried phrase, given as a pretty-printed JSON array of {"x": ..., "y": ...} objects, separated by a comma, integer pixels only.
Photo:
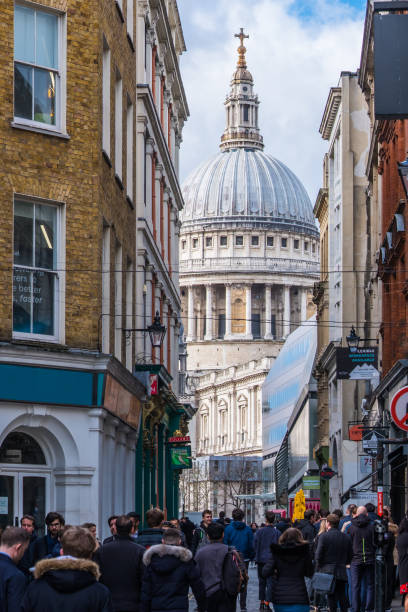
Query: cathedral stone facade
[{"x": 249, "y": 253}]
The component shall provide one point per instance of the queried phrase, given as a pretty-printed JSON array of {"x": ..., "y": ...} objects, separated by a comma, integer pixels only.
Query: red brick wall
[{"x": 393, "y": 148}]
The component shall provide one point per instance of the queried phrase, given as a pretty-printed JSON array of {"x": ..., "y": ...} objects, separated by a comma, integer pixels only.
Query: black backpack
[{"x": 234, "y": 573}]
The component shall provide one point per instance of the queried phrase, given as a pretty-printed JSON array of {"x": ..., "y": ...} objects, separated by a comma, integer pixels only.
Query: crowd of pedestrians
[{"x": 325, "y": 560}]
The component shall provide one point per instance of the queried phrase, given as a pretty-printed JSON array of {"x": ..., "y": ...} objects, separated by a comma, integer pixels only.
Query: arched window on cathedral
[
  {"x": 242, "y": 418},
  {"x": 204, "y": 426},
  {"x": 223, "y": 423}
]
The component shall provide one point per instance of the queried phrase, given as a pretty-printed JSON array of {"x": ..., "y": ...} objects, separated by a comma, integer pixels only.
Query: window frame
[
  {"x": 271, "y": 238},
  {"x": 106, "y": 97},
  {"x": 284, "y": 246},
  {"x": 208, "y": 242},
  {"x": 296, "y": 244},
  {"x": 59, "y": 285},
  {"x": 236, "y": 240},
  {"x": 61, "y": 97},
  {"x": 256, "y": 236},
  {"x": 226, "y": 241},
  {"x": 193, "y": 240}
]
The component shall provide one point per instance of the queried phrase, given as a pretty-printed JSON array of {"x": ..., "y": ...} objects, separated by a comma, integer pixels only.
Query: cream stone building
[
  {"x": 161, "y": 112},
  {"x": 249, "y": 253}
]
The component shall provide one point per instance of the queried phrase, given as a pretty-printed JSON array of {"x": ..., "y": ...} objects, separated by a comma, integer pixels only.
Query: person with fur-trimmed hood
[
  {"x": 69, "y": 582},
  {"x": 169, "y": 572}
]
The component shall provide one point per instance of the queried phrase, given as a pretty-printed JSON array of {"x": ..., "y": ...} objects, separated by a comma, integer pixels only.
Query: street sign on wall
[
  {"x": 357, "y": 364},
  {"x": 311, "y": 482},
  {"x": 399, "y": 408}
]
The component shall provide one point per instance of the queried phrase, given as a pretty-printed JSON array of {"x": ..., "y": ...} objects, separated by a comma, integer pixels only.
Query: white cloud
[{"x": 294, "y": 59}]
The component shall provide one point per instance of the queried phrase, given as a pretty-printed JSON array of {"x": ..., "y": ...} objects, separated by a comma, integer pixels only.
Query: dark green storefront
[{"x": 157, "y": 484}]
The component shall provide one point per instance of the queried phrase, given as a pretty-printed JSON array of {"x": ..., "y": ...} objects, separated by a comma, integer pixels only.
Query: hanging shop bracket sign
[
  {"x": 371, "y": 440},
  {"x": 357, "y": 363},
  {"x": 179, "y": 440},
  {"x": 180, "y": 457}
]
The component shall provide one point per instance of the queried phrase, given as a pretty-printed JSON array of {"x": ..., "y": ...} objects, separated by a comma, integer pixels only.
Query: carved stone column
[
  {"x": 208, "y": 314},
  {"x": 303, "y": 304},
  {"x": 190, "y": 315},
  {"x": 248, "y": 312},
  {"x": 286, "y": 311},
  {"x": 268, "y": 313},
  {"x": 228, "y": 312}
]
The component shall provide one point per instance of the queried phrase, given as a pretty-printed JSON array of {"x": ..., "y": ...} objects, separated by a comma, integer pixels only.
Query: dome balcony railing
[{"x": 250, "y": 264}]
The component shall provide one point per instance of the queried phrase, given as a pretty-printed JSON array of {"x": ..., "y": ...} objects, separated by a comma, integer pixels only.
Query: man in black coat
[
  {"x": 361, "y": 533},
  {"x": 13, "y": 583},
  {"x": 154, "y": 533},
  {"x": 112, "y": 527},
  {"x": 120, "y": 562},
  {"x": 187, "y": 527},
  {"x": 68, "y": 583},
  {"x": 264, "y": 537},
  {"x": 306, "y": 526},
  {"x": 200, "y": 537},
  {"x": 333, "y": 553},
  {"x": 169, "y": 572},
  {"x": 211, "y": 562},
  {"x": 48, "y": 546},
  {"x": 27, "y": 523}
]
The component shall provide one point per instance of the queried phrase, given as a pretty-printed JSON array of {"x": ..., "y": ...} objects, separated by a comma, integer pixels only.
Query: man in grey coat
[{"x": 210, "y": 560}]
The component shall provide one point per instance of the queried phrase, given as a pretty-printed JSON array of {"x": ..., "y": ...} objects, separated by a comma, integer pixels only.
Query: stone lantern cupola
[{"x": 241, "y": 106}]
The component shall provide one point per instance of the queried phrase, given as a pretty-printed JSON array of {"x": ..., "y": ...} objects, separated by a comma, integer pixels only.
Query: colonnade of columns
[{"x": 284, "y": 308}]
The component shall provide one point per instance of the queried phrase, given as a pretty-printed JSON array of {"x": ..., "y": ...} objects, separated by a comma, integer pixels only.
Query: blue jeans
[{"x": 362, "y": 601}]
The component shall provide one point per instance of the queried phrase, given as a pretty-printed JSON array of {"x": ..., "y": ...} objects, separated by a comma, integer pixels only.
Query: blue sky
[{"x": 295, "y": 52}]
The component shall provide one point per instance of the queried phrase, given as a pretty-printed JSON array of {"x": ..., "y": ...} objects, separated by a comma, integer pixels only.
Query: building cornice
[
  {"x": 248, "y": 223},
  {"x": 330, "y": 112},
  {"x": 322, "y": 203},
  {"x": 366, "y": 58},
  {"x": 256, "y": 378},
  {"x": 144, "y": 95},
  {"x": 250, "y": 265},
  {"x": 170, "y": 58},
  {"x": 373, "y": 151}
]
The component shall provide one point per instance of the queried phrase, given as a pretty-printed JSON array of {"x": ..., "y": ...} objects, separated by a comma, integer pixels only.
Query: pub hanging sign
[
  {"x": 180, "y": 457},
  {"x": 357, "y": 364}
]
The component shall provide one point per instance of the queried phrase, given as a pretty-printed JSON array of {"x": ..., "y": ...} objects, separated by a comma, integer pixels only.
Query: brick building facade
[
  {"x": 392, "y": 137},
  {"x": 72, "y": 404}
]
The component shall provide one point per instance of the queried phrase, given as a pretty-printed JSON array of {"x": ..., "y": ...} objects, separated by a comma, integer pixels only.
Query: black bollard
[{"x": 380, "y": 569}]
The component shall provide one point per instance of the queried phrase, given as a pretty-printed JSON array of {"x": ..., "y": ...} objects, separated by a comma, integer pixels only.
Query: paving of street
[{"x": 253, "y": 601}]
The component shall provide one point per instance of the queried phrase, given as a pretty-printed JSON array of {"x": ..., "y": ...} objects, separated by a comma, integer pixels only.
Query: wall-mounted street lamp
[
  {"x": 156, "y": 331},
  {"x": 352, "y": 339},
  {"x": 403, "y": 172}
]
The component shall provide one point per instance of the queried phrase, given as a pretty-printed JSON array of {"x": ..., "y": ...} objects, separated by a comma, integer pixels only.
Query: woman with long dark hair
[{"x": 291, "y": 563}]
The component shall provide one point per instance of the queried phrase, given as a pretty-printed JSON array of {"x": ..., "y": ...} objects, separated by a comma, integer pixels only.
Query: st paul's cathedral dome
[
  {"x": 249, "y": 245},
  {"x": 242, "y": 182}
]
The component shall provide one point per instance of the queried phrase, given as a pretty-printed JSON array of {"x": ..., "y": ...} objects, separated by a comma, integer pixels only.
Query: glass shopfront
[{"x": 24, "y": 481}]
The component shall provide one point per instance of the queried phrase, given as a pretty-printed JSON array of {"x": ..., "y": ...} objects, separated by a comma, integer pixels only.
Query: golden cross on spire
[{"x": 241, "y": 48}]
